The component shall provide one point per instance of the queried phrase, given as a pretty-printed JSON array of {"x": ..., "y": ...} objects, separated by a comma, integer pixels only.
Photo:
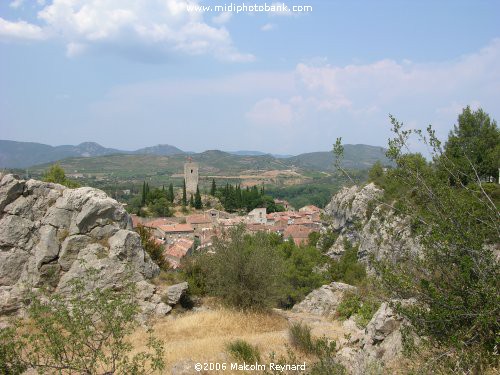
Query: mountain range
[{"x": 29, "y": 154}]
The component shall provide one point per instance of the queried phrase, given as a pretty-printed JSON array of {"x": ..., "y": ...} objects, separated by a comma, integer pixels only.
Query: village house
[
  {"x": 257, "y": 216},
  {"x": 173, "y": 232},
  {"x": 198, "y": 221},
  {"x": 176, "y": 251},
  {"x": 299, "y": 234}
]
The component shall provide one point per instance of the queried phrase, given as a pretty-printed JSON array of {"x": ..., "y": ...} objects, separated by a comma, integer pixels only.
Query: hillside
[
  {"x": 25, "y": 154},
  {"x": 355, "y": 157}
]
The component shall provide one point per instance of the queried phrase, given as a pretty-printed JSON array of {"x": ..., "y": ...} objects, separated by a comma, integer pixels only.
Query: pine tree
[
  {"x": 197, "y": 199},
  {"x": 213, "y": 189}
]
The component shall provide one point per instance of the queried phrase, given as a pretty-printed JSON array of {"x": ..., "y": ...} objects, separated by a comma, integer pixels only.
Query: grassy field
[{"x": 203, "y": 336}]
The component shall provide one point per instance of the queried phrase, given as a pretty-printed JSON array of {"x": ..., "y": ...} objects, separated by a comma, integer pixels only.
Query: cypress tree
[
  {"x": 171, "y": 193},
  {"x": 197, "y": 199},
  {"x": 184, "y": 195},
  {"x": 191, "y": 201},
  {"x": 143, "y": 197},
  {"x": 213, "y": 189}
]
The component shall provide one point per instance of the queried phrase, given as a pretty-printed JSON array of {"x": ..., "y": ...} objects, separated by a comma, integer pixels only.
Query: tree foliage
[
  {"x": 455, "y": 278},
  {"x": 473, "y": 147},
  {"x": 154, "y": 249},
  {"x": 84, "y": 333},
  {"x": 245, "y": 270},
  {"x": 57, "y": 175}
]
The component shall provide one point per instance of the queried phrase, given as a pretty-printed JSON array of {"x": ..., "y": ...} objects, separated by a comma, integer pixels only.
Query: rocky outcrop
[
  {"x": 379, "y": 345},
  {"x": 176, "y": 292},
  {"x": 359, "y": 217},
  {"x": 324, "y": 300},
  {"x": 50, "y": 234}
]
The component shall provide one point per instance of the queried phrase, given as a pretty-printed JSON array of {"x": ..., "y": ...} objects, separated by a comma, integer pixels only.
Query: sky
[{"x": 135, "y": 73}]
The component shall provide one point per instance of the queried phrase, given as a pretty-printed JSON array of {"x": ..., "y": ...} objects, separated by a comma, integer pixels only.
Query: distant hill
[
  {"x": 164, "y": 150},
  {"x": 26, "y": 154},
  {"x": 355, "y": 157},
  {"x": 258, "y": 153},
  {"x": 165, "y": 160}
]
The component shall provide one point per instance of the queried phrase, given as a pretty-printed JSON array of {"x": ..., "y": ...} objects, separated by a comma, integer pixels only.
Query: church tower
[{"x": 191, "y": 176}]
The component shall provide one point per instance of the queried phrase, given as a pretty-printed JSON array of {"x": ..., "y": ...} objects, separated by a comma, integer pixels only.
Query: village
[{"x": 181, "y": 236}]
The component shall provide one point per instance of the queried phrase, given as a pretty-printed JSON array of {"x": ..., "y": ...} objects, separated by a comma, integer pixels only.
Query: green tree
[
  {"x": 376, "y": 172},
  {"x": 57, "y": 175},
  {"x": 154, "y": 249},
  {"x": 143, "y": 194},
  {"x": 473, "y": 147},
  {"x": 197, "y": 199},
  {"x": 85, "y": 333},
  {"x": 171, "y": 195},
  {"x": 184, "y": 194},
  {"x": 213, "y": 188},
  {"x": 455, "y": 278},
  {"x": 245, "y": 271},
  {"x": 191, "y": 201}
]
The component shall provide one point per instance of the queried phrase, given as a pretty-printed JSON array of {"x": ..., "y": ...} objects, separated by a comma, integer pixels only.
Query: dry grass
[{"x": 203, "y": 336}]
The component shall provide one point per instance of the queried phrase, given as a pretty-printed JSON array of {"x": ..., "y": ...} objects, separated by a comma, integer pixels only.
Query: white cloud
[
  {"x": 268, "y": 27},
  {"x": 16, "y": 3},
  {"x": 354, "y": 100},
  {"x": 165, "y": 26},
  {"x": 222, "y": 18},
  {"x": 75, "y": 49},
  {"x": 270, "y": 112},
  {"x": 20, "y": 30}
]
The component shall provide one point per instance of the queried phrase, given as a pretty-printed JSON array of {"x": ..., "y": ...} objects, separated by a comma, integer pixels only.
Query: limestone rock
[
  {"x": 380, "y": 345},
  {"x": 324, "y": 300},
  {"x": 50, "y": 235},
  {"x": 359, "y": 217},
  {"x": 175, "y": 292}
]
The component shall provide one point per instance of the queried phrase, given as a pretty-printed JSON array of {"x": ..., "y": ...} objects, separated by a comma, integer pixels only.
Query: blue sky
[{"x": 130, "y": 73}]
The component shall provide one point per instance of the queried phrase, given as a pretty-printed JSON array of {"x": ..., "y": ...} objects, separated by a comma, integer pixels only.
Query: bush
[
  {"x": 455, "y": 278},
  {"x": 362, "y": 308},
  {"x": 84, "y": 333},
  {"x": 243, "y": 351},
  {"x": 327, "y": 240},
  {"x": 302, "y": 274},
  {"x": 245, "y": 271},
  {"x": 57, "y": 175},
  {"x": 347, "y": 269},
  {"x": 155, "y": 250},
  {"x": 324, "y": 350}
]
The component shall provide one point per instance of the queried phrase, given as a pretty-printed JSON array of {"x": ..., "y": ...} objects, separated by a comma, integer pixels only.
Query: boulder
[
  {"x": 380, "y": 345},
  {"x": 50, "y": 235},
  {"x": 175, "y": 293},
  {"x": 324, "y": 300}
]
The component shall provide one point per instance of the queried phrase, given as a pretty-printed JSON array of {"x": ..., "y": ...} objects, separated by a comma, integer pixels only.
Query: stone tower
[{"x": 191, "y": 176}]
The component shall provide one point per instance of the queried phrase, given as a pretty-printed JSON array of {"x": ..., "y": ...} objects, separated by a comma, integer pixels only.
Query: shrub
[
  {"x": 300, "y": 338},
  {"x": 57, "y": 175},
  {"x": 360, "y": 307},
  {"x": 327, "y": 240},
  {"x": 454, "y": 279},
  {"x": 245, "y": 271},
  {"x": 84, "y": 333},
  {"x": 154, "y": 249},
  {"x": 243, "y": 351},
  {"x": 321, "y": 348},
  {"x": 347, "y": 269},
  {"x": 301, "y": 274}
]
